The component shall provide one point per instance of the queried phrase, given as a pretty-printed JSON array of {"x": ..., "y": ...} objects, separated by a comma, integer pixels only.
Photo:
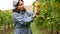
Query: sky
[{"x": 8, "y": 4}]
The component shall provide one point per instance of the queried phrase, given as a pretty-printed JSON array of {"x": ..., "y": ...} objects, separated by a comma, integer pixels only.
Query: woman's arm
[
  {"x": 21, "y": 20},
  {"x": 32, "y": 14}
]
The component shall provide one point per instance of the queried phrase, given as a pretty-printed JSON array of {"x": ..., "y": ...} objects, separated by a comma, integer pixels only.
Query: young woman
[{"x": 22, "y": 18}]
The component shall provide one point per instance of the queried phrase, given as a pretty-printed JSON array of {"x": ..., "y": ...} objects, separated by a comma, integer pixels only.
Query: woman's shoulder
[
  {"x": 29, "y": 11},
  {"x": 14, "y": 13}
]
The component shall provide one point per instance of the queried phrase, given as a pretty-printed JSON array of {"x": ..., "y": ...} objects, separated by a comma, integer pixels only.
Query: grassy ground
[{"x": 35, "y": 30}]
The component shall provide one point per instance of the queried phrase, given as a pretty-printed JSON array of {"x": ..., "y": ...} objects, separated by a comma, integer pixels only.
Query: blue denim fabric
[
  {"x": 22, "y": 22},
  {"x": 23, "y": 31}
]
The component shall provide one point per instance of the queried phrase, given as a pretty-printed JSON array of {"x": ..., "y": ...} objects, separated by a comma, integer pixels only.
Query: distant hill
[{"x": 29, "y": 8}]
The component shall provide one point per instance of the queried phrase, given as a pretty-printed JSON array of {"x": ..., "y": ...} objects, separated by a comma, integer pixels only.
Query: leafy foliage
[
  {"x": 6, "y": 18},
  {"x": 49, "y": 16}
]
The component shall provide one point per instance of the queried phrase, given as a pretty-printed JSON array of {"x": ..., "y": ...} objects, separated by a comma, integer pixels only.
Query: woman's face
[{"x": 20, "y": 6}]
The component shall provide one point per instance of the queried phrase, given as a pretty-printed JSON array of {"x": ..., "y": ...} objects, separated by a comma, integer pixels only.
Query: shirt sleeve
[
  {"x": 30, "y": 13},
  {"x": 21, "y": 20}
]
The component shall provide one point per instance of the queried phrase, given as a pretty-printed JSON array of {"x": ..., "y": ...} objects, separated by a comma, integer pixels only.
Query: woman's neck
[{"x": 18, "y": 11}]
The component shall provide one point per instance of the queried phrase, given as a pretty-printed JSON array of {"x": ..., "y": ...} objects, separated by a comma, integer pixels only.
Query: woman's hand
[{"x": 35, "y": 14}]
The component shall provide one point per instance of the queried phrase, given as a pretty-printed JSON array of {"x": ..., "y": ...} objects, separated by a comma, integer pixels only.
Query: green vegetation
[{"x": 49, "y": 17}]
